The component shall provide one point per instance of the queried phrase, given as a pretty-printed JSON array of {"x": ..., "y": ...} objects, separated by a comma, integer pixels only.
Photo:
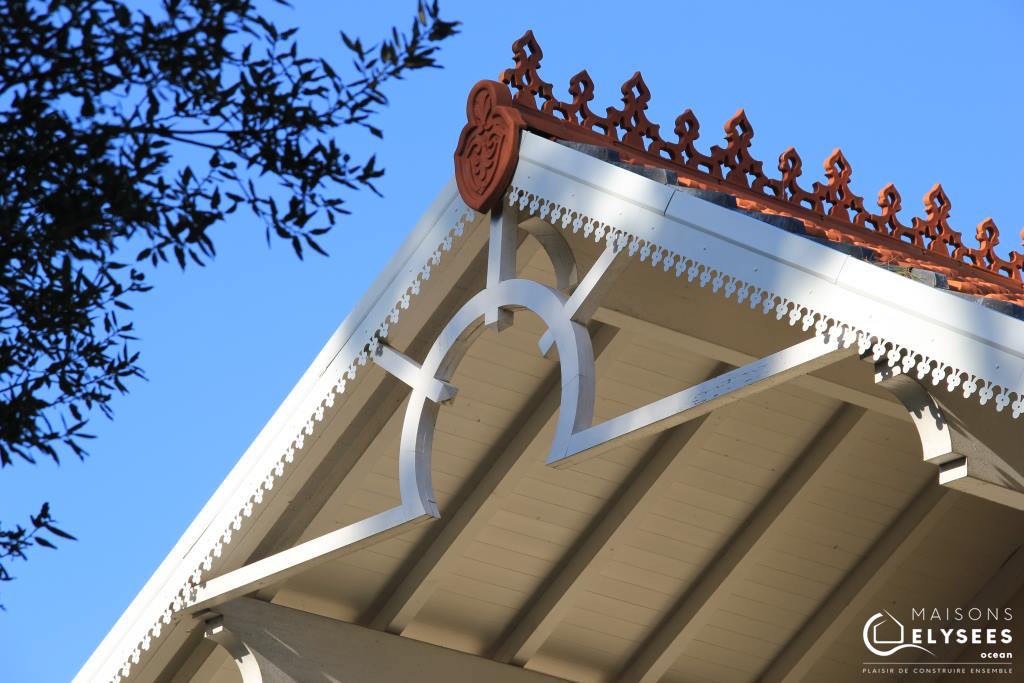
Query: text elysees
[{"x": 961, "y": 636}]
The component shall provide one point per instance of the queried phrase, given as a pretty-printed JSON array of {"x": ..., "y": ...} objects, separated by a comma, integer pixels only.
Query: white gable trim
[
  {"x": 278, "y": 444},
  {"x": 928, "y": 332},
  {"x": 924, "y": 330}
]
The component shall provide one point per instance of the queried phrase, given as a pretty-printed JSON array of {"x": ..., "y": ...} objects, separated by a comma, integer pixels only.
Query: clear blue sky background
[{"x": 913, "y": 92}]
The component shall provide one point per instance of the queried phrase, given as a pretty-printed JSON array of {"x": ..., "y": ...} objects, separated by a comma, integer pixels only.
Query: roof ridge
[{"x": 830, "y": 209}]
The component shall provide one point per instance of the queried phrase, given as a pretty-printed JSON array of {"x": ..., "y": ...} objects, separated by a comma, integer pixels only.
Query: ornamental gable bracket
[
  {"x": 576, "y": 436},
  {"x": 974, "y": 450}
]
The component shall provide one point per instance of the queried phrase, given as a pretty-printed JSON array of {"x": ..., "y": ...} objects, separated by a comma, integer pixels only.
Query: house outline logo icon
[{"x": 872, "y": 638}]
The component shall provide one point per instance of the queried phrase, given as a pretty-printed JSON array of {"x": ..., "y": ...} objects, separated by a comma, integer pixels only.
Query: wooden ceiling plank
[
  {"x": 460, "y": 526},
  {"x": 546, "y": 609},
  {"x": 692, "y": 611},
  {"x": 997, "y": 591},
  {"x": 850, "y": 598}
]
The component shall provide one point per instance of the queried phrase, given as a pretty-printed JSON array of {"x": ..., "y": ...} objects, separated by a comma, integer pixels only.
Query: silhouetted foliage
[
  {"x": 94, "y": 96},
  {"x": 14, "y": 541}
]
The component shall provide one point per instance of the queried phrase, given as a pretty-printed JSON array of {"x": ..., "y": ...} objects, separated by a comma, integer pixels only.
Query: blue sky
[{"x": 914, "y": 93}]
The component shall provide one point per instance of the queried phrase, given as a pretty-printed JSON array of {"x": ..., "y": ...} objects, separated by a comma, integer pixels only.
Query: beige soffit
[{"x": 929, "y": 333}]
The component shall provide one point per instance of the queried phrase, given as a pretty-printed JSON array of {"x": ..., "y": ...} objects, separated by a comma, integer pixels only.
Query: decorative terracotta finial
[
  {"x": 736, "y": 154},
  {"x": 488, "y": 149},
  {"x": 987, "y": 234},
  {"x": 836, "y": 192}
]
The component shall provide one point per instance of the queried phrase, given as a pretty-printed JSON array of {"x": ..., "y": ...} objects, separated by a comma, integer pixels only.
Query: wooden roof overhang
[{"x": 736, "y": 416}]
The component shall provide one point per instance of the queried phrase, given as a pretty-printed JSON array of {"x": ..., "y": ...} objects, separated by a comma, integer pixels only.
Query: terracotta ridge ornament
[
  {"x": 487, "y": 153},
  {"x": 488, "y": 149}
]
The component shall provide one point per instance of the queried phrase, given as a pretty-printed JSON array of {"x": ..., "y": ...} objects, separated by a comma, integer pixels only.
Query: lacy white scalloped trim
[
  {"x": 824, "y": 324},
  {"x": 253, "y": 493}
]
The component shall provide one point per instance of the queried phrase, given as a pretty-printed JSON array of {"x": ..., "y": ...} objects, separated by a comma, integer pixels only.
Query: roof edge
[
  {"x": 497, "y": 113},
  {"x": 165, "y": 595},
  {"x": 929, "y": 332}
]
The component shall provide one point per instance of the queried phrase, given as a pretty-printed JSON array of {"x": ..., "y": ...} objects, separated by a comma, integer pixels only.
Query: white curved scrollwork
[
  {"x": 430, "y": 387},
  {"x": 245, "y": 660},
  {"x": 575, "y": 434},
  {"x": 576, "y": 359},
  {"x": 974, "y": 452},
  {"x": 558, "y": 251}
]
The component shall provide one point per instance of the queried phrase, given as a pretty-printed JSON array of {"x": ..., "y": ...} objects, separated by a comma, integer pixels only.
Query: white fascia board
[
  {"x": 946, "y": 328},
  {"x": 338, "y": 353}
]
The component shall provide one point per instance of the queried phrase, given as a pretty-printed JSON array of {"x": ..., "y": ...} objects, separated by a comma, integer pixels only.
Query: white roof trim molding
[
  {"x": 173, "y": 586},
  {"x": 929, "y": 333},
  {"x": 846, "y": 301}
]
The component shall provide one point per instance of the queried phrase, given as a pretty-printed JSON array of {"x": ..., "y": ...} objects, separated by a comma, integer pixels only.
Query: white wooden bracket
[
  {"x": 587, "y": 296},
  {"x": 276, "y": 644},
  {"x": 575, "y": 434},
  {"x": 553, "y": 241},
  {"x": 975, "y": 451},
  {"x": 501, "y": 261},
  {"x": 411, "y": 373},
  {"x": 688, "y": 404}
]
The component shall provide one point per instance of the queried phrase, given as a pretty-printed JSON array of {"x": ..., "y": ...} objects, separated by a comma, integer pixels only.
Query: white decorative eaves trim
[
  {"x": 824, "y": 323},
  {"x": 584, "y": 207},
  {"x": 260, "y": 484}
]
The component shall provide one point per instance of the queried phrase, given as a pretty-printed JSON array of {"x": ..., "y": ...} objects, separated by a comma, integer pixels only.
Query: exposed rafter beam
[
  {"x": 688, "y": 404},
  {"x": 545, "y": 610},
  {"x": 850, "y": 598},
  {"x": 737, "y": 358},
  {"x": 689, "y": 615},
  {"x": 459, "y": 526}
]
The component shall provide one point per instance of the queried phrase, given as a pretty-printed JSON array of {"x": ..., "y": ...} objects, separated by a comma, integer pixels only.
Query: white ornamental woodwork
[
  {"x": 575, "y": 434},
  {"x": 976, "y": 452},
  {"x": 274, "y": 644}
]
